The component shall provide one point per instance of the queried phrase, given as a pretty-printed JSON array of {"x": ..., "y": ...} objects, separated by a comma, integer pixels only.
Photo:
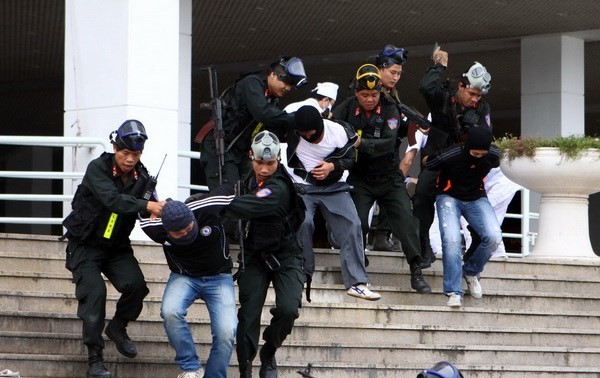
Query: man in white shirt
[{"x": 319, "y": 151}]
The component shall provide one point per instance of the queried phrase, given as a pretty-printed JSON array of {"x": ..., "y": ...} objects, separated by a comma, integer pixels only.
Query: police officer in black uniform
[
  {"x": 105, "y": 208},
  {"x": 389, "y": 61},
  {"x": 453, "y": 112},
  {"x": 375, "y": 175},
  {"x": 248, "y": 105},
  {"x": 272, "y": 255}
]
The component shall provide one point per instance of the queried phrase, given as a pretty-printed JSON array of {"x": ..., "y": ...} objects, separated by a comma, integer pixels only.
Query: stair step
[
  {"x": 325, "y": 351},
  {"x": 307, "y": 331},
  {"x": 538, "y": 318},
  {"x": 36, "y": 366},
  {"x": 60, "y": 285},
  {"x": 366, "y": 313}
]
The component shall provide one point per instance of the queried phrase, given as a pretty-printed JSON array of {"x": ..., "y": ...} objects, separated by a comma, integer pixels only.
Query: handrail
[
  {"x": 41, "y": 174},
  {"x": 526, "y": 236},
  {"x": 52, "y": 175},
  {"x": 55, "y": 141}
]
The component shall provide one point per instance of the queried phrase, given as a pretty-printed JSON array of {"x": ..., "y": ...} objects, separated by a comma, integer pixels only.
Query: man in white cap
[{"x": 321, "y": 97}]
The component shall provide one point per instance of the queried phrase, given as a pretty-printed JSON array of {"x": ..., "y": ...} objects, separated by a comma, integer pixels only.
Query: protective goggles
[
  {"x": 131, "y": 135},
  {"x": 130, "y": 128},
  {"x": 478, "y": 77},
  {"x": 396, "y": 54},
  {"x": 265, "y": 146},
  {"x": 481, "y": 72},
  {"x": 294, "y": 72}
]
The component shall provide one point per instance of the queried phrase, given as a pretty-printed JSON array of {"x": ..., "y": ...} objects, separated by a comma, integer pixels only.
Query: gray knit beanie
[{"x": 176, "y": 216}]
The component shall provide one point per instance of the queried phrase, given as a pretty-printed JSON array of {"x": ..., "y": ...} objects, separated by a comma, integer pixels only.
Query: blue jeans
[
  {"x": 218, "y": 294},
  {"x": 480, "y": 215}
]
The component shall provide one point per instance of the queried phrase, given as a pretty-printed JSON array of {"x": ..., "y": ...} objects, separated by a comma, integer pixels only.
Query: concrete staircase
[{"x": 538, "y": 318}]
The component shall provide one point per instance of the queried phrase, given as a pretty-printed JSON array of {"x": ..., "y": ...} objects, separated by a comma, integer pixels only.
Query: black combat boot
[
  {"x": 96, "y": 364},
  {"x": 268, "y": 365},
  {"x": 382, "y": 242},
  {"x": 116, "y": 330},
  {"x": 245, "y": 369},
  {"x": 417, "y": 282},
  {"x": 427, "y": 255}
]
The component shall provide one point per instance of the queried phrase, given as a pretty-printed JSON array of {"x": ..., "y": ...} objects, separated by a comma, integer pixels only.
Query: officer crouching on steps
[
  {"x": 272, "y": 254},
  {"x": 105, "y": 209}
]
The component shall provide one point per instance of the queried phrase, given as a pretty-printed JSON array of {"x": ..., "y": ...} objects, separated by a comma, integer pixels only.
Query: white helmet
[
  {"x": 478, "y": 78},
  {"x": 265, "y": 146}
]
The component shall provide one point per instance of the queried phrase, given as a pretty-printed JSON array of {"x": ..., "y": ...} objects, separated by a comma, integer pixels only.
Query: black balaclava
[
  {"x": 480, "y": 138},
  {"x": 308, "y": 118}
]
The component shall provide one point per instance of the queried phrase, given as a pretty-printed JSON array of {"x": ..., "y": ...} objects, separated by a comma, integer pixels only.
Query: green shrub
[{"x": 571, "y": 146}]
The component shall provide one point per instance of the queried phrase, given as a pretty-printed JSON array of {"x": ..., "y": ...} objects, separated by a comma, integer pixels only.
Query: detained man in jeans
[
  {"x": 197, "y": 253},
  {"x": 461, "y": 192}
]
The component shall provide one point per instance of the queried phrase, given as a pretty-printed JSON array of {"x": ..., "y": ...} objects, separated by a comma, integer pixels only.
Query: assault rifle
[
  {"x": 215, "y": 124},
  {"x": 414, "y": 116},
  {"x": 217, "y": 117}
]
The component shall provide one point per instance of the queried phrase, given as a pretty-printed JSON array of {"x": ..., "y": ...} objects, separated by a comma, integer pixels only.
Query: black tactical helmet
[
  {"x": 293, "y": 68},
  {"x": 368, "y": 77},
  {"x": 442, "y": 369},
  {"x": 130, "y": 135},
  {"x": 391, "y": 55}
]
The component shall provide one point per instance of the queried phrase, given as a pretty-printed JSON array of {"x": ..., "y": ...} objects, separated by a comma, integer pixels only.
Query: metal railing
[
  {"x": 527, "y": 237},
  {"x": 60, "y": 142}
]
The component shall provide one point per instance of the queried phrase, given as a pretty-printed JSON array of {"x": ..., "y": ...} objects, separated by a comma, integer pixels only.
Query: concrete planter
[{"x": 565, "y": 185}]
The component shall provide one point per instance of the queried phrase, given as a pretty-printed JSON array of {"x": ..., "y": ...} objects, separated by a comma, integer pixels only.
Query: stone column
[
  {"x": 552, "y": 86},
  {"x": 130, "y": 59},
  {"x": 552, "y": 104}
]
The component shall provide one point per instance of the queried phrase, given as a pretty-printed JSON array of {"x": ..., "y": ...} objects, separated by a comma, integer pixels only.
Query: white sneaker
[
  {"x": 192, "y": 374},
  {"x": 454, "y": 300},
  {"x": 362, "y": 291},
  {"x": 8, "y": 373},
  {"x": 473, "y": 286}
]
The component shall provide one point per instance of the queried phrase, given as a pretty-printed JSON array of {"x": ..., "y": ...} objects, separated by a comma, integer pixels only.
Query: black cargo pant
[
  {"x": 236, "y": 164},
  {"x": 390, "y": 192},
  {"x": 424, "y": 204},
  {"x": 288, "y": 282},
  {"x": 122, "y": 270}
]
